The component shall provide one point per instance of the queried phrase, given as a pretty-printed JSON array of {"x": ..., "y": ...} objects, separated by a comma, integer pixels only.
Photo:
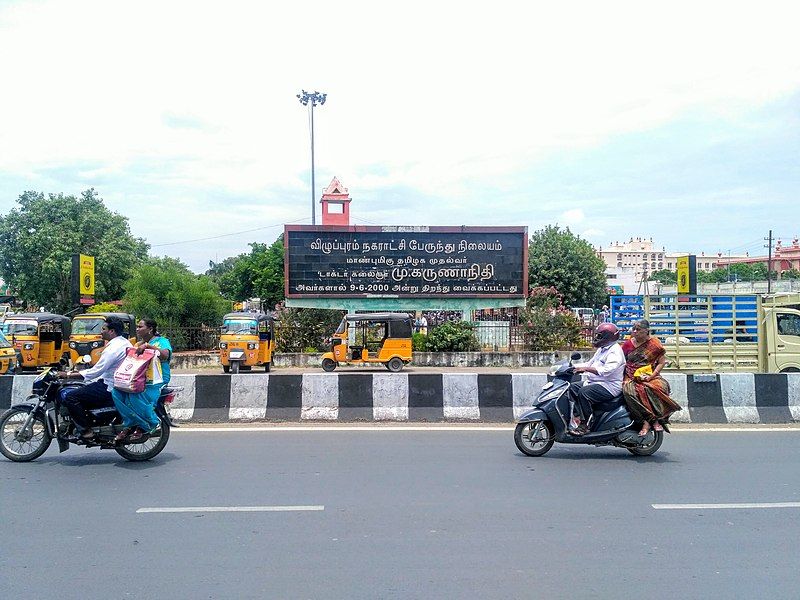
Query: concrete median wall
[{"x": 723, "y": 398}]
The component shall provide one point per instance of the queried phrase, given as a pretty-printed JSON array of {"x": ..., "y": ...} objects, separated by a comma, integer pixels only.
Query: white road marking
[
  {"x": 188, "y": 509},
  {"x": 384, "y": 427},
  {"x": 726, "y": 506}
]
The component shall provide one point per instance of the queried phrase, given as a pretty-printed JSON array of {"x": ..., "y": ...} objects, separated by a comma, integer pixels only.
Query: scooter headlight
[{"x": 551, "y": 394}]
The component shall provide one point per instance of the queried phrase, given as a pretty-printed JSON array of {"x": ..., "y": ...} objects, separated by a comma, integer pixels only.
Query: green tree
[
  {"x": 664, "y": 277},
  {"x": 299, "y": 329},
  {"x": 560, "y": 259},
  {"x": 791, "y": 274},
  {"x": 39, "y": 237},
  {"x": 166, "y": 290},
  {"x": 258, "y": 274},
  {"x": 547, "y": 323}
]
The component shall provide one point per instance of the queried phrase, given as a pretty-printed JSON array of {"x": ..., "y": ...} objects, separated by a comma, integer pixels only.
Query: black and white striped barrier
[{"x": 722, "y": 398}]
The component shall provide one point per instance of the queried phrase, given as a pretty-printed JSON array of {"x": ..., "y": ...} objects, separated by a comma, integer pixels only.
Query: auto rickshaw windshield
[
  {"x": 342, "y": 327},
  {"x": 20, "y": 328},
  {"x": 4, "y": 343},
  {"x": 87, "y": 326},
  {"x": 240, "y": 326}
]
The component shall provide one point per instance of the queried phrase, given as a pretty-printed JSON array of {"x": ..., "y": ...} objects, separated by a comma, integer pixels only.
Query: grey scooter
[{"x": 548, "y": 422}]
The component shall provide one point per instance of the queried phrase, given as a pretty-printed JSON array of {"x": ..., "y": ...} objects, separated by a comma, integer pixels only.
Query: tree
[
  {"x": 547, "y": 323},
  {"x": 39, "y": 237},
  {"x": 664, "y": 277},
  {"x": 166, "y": 290},
  {"x": 560, "y": 259},
  {"x": 258, "y": 274},
  {"x": 305, "y": 329},
  {"x": 790, "y": 274}
]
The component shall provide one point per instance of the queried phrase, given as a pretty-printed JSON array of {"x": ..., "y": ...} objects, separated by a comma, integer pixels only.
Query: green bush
[
  {"x": 419, "y": 342},
  {"x": 547, "y": 323},
  {"x": 104, "y": 307},
  {"x": 452, "y": 337}
]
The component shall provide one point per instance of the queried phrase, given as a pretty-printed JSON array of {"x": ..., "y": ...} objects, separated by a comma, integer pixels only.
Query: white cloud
[
  {"x": 424, "y": 98},
  {"x": 572, "y": 217}
]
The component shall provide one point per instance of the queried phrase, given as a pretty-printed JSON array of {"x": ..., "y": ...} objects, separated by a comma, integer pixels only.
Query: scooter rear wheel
[
  {"x": 534, "y": 438},
  {"x": 649, "y": 449}
]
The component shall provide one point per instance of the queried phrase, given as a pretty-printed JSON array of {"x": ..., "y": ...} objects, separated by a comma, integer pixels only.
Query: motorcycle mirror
[{"x": 575, "y": 356}]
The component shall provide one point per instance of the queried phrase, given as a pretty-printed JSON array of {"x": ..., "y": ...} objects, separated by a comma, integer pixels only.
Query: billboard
[
  {"x": 82, "y": 279},
  {"x": 404, "y": 262},
  {"x": 687, "y": 274}
]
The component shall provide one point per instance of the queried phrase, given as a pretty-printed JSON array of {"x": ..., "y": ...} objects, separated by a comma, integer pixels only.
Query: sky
[{"x": 678, "y": 121}]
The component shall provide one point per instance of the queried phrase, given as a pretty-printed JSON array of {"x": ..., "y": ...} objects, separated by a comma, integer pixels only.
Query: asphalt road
[{"x": 407, "y": 514}]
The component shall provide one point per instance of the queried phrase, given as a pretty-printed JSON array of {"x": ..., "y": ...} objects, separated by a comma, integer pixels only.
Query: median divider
[{"x": 491, "y": 397}]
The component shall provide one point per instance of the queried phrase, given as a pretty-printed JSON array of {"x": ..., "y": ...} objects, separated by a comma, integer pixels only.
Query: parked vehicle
[
  {"x": 609, "y": 425},
  {"x": 247, "y": 340},
  {"x": 584, "y": 315},
  {"x": 41, "y": 339},
  {"x": 85, "y": 340},
  {"x": 381, "y": 338},
  {"x": 26, "y": 429},
  {"x": 8, "y": 356},
  {"x": 714, "y": 332}
]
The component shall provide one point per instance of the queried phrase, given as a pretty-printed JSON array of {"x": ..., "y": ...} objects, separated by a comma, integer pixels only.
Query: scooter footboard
[{"x": 535, "y": 414}]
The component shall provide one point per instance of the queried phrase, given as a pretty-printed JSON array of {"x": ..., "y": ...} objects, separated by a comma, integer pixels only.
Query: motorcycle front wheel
[
  {"x": 534, "y": 438},
  {"x": 148, "y": 449},
  {"x": 19, "y": 445},
  {"x": 649, "y": 448}
]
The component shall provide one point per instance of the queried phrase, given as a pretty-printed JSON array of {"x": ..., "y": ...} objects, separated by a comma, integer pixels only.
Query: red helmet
[{"x": 605, "y": 334}]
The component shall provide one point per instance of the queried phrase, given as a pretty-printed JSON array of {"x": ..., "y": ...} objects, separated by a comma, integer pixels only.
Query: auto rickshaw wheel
[
  {"x": 266, "y": 367},
  {"x": 328, "y": 365},
  {"x": 235, "y": 366},
  {"x": 226, "y": 368},
  {"x": 395, "y": 365}
]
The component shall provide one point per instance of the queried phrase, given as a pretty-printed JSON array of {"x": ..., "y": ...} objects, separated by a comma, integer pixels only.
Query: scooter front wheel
[{"x": 534, "y": 438}]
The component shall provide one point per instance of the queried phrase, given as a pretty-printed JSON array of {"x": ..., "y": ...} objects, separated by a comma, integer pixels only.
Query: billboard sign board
[{"x": 404, "y": 262}]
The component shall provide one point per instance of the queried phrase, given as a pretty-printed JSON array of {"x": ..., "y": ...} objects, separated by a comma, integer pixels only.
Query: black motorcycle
[
  {"x": 609, "y": 425},
  {"x": 27, "y": 429}
]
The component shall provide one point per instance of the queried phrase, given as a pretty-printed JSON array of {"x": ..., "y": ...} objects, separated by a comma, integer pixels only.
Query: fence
[{"x": 496, "y": 336}]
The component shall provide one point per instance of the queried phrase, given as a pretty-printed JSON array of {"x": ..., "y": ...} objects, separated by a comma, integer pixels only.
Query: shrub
[
  {"x": 547, "y": 323},
  {"x": 419, "y": 342},
  {"x": 452, "y": 337}
]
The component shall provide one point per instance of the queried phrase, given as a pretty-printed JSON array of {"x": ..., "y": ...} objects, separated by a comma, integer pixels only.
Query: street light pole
[{"x": 311, "y": 100}]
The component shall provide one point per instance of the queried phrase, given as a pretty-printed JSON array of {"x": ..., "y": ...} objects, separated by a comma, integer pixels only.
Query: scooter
[{"x": 548, "y": 422}]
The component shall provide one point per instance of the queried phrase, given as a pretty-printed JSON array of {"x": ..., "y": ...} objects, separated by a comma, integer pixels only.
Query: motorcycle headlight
[
  {"x": 551, "y": 394},
  {"x": 27, "y": 346},
  {"x": 223, "y": 345},
  {"x": 73, "y": 345}
]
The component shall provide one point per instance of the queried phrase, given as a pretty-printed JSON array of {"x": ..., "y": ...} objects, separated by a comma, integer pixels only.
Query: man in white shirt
[
  {"x": 100, "y": 379},
  {"x": 604, "y": 376}
]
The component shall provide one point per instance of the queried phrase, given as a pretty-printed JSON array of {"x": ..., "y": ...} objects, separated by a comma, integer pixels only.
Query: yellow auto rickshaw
[
  {"x": 371, "y": 338},
  {"x": 40, "y": 338},
  {"x": 85, "y": 339},
  {"x": 8, "y": 356},
  {"x": 247, "y": 339}
]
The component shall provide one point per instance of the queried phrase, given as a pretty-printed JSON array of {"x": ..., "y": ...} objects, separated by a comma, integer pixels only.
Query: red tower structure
[{"x": 335, "y": 204}]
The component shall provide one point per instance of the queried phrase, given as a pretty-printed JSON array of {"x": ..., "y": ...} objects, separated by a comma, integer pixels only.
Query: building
[
  {"x": 705, "y": 262},
  {"x": 621, "y": 280},
  {"x": 335, "y": 204},
  {"x": 784, "y": 258},
  {"x": 637, "y": 254}
]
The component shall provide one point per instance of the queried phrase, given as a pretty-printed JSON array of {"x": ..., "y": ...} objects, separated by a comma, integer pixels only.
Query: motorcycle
[
  {"x": 548, "y": 422},
  {"x": 28, "y": 428}
]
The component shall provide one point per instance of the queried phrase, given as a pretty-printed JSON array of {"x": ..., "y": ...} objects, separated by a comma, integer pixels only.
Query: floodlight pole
[{"x": 311, "y": 100}]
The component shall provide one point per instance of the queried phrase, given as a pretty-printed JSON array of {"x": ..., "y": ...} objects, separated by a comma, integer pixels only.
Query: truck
[{"x": 717, "y": 332}]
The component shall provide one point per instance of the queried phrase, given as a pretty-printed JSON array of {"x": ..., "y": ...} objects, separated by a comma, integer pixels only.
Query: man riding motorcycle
[
  {"x": 604, "y": 380},
  {"x": 100, "y": 378}
]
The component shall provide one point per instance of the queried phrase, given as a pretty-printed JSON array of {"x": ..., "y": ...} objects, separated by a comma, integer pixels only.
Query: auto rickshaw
[
  {"x": 376, "y": 338},
  {"x": 40, "y": 339},
  {"x": 8, "y": 356},
  {"x": 247, "y": 339},
  {"x": 85, "y": 339}
]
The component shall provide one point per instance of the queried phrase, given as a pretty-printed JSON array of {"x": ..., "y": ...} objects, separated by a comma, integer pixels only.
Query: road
[{"x": 431, "y": 513}]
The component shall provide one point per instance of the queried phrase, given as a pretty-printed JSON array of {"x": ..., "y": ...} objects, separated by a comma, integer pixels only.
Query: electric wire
[{"x": 215, "y": 237}]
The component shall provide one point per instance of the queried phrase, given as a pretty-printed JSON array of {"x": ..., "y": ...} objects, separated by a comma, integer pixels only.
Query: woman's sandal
[
  {"x": 643, "y": 432},
  {"x": 657, "y": 426}
]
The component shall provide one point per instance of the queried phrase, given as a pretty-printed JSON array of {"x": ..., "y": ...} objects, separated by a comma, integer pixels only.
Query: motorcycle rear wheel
[
  {"x": 650, "y": 448},
  {"x": 22, "y": 450},
  {"x": 538, "y": 447},
  {"x": 149, "y": 449}
]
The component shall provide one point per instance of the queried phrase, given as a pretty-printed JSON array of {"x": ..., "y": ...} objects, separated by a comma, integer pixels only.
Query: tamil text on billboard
[{"x": 362, "y": 262}]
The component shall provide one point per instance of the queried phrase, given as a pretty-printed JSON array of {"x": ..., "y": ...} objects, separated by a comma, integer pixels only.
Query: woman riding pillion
[{"x": 138, "y": 410}]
